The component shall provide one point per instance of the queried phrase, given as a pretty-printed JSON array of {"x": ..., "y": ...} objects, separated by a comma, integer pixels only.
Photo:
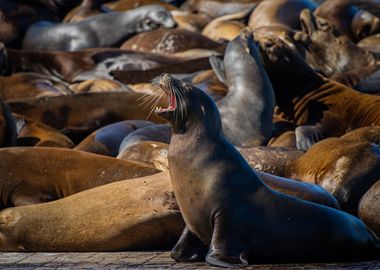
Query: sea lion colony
[{"x": 231, "y": 132}]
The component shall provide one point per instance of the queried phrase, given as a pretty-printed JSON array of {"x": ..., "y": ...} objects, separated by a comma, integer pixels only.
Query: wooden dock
[{"x": 139, "y": 260}]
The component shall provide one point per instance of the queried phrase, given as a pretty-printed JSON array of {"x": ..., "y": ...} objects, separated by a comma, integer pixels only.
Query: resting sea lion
[
  {"x": 230, "y": 212},
  {"x": 369, "y": 208},
  {"x": 106, "y": 218},
  {"x": 97, "y": 31},
  {"x": 31, "y": 175},
  {"x": 87, "y": 8}
]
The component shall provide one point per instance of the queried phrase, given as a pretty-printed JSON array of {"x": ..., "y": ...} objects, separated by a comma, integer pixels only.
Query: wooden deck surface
[{"x": 138, "y": 260}]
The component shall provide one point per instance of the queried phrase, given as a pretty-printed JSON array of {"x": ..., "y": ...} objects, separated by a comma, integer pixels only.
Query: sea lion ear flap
[{"x": 217, "y": 65}]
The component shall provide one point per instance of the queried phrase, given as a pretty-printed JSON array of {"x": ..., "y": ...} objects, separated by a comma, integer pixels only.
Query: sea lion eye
[{"x": 323, "y": 24}]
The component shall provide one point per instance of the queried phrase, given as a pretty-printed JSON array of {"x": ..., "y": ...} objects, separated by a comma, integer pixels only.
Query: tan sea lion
[
  {"x": 31, "y": 175},
  {"x": 87, "y": 8},
  {"x": 106, "y": 218},
  {"x": 371, "y": 43},
  {"x": 190, "y": 21},
  {"x": 98, "y": 85}
]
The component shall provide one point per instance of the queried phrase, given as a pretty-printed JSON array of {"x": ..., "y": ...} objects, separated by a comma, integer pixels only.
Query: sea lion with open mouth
[{"x": 230, "y": 212}]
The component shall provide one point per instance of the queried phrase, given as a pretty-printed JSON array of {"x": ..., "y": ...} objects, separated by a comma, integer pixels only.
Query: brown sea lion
[
  {"x": 32, "y": 133},
  {"x": 31, "y": 85},
  {"x": 81, "y": 114},
  {"x": 168, "y": 41},
  {"x": 332, "y": 52},
  {"x": 87, "y": 8},
  {"x": 97, "y": 31},
  {"x": 369, "y": 208},
  {"x": 255, "y": 223},
  {"x": 355, "y": 23},
  {"x": 209, "y": 82},
  {"x": 279, "y": 13},
  {"x": 106, "y": 218},
  {"x": 346, "y": 168},
  {"x": 190, "y": 21},
  {"x": 152, "y": 153},
  {"x": 32, "y": 175},
  {"x": 107, "y": 140},
  {"x": 323, "y": 108}
]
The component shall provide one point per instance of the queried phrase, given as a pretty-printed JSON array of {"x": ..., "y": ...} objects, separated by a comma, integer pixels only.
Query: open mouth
[{"x": 165, "y": 87}]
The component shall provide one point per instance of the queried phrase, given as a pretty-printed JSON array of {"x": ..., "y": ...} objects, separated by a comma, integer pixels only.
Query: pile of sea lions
[{"x": 230, "y": 132}]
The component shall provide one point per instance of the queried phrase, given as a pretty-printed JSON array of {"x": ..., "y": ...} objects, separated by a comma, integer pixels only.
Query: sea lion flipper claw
[
  {"x": 306, "y": 136},
  {"x": 189, "y": 248}
]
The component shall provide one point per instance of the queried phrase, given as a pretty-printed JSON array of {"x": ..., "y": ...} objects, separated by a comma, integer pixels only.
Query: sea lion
[
  {"x": 353, "y": 22},
  {"x": 159, "y": 133},
  {"x": 167, "y": 41},
  {"x": 31, "y": 85},
  {"x": 279, "y": 13},
  {"x": 107, "y": 140},
  {"x": 81, "y": 114},
  {"x": 332, "y": 52},
  {"x": 370, "y": 134},
  {"x": 247, "y": 109},
  {"x": 31, "y": 175},
  {"x": 98, "y": 62},
  {"x": 97, "y": 31},
  {"x": 32, "y": 133},
  {"x": 152, "y": 153},
  {"x": 322, "y": 108},
  {"x": 369, "y": 208},
  {"x": 346, "y": 168},
  {"x": 230, "y": 212},
  {"x": 226, "y": 27},
  {"x": 190, "y": 21},
  {"x": 106, "y": 218}
]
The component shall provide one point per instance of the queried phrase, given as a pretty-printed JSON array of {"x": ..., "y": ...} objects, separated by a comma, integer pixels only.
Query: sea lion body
[
  {"x": 213, "y": 170},
  {"x": 247, "y": 109},
  {"x": 279, "y": 12},
  {"x": 106, "y": 218},
  {"x": 39, "y": 174},
  {"x": 97, "y": 31}
]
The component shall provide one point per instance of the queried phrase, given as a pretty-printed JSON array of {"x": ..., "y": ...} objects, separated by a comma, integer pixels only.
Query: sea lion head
[
  {"x": 156, "y": 16},
  {"x": 333, "y": 52},
  {"x": 189, "y": 107},
  {"x": 364, "y": 24}
]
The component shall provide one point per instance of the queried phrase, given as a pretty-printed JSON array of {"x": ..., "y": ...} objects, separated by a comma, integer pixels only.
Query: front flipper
[
  {"x": 306, "y": 136},
  {"x": 189, "y": 248},
  {"x": 226, "y": 249}
]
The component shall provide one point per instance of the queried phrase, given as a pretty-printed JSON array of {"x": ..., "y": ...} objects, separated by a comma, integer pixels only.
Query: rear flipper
[{"x": 189, "y": 248}]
